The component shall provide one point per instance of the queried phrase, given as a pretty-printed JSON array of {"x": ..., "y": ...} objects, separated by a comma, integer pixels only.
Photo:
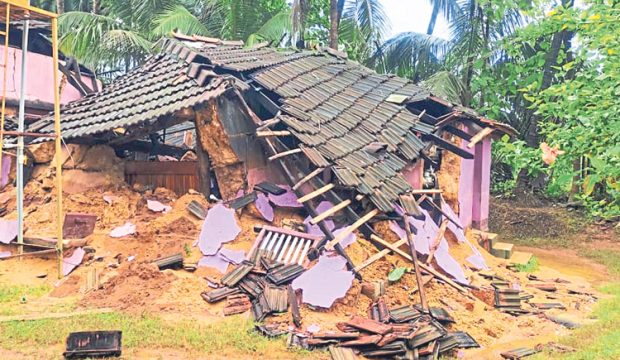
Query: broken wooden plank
[
  {"x": 479, "y": 136},
  {"x": 416, "y": 265},
  {"x": 284, "y": 153},
  {"x": 330, "y": 212},
  {"x": 379, "y": 255},
  {"x": 265, "y": 124},
  {"x": 294, "y": 303},
  {"x": 348, "y": 230},
  {"x": 261, "y": 134},
  {"x": 437, "y": 240},
  {"x": 425, "y": 191},
  {"x": 307, "y": 178},
  {"x": 316, "y": 193}
]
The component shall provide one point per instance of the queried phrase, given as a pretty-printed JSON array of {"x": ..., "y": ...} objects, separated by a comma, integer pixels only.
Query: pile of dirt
[
  {"x": 136, "y": 285},
  {"x": 135, "y": 288}
]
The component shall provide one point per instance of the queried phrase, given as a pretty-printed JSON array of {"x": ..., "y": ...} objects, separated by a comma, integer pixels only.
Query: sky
[{"x": 412, "y": 15}]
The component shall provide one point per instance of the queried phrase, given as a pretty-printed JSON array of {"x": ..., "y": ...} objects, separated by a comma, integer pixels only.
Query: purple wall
[
  {"x": 474, "y": 185},
  {"x": 482, "y": 184}
]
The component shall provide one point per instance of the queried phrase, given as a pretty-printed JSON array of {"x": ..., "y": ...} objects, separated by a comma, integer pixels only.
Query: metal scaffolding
[{"x": 17, "y": 11}]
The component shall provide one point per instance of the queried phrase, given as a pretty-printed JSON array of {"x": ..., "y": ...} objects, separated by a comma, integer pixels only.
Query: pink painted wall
[
  {"x": 413, "y": 174},
  {"x": 39, "y": 76},
  {"x": 482, "y": 185},
  {"x": 466, "y": 186},
  {"x": 474, "y": 185}
]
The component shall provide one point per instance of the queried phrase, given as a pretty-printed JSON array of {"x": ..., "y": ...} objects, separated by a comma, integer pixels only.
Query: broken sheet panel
[
  {"x": 73, "y": 261},
  {"x": 219, "y": 227},
  {"x": 8, "y": 231},
  {"x": 319, "y": 292}
]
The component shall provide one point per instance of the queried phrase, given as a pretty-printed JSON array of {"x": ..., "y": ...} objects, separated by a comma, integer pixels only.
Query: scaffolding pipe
[
  {"x": 59, "y": 219},
  {"x": 20, "y": 139}
]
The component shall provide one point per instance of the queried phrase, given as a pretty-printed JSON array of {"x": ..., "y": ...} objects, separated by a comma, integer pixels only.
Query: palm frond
[
  {"x": 411, "y": 54},
  {"x": 124, "y": 46},
  {"x": 446, "y": 85},
  {"x": 178, "y": 18},
  {"x": 83, "y": 33},
  {"x": 369, "y": 16},
  {"x": 274, "y": 30}
]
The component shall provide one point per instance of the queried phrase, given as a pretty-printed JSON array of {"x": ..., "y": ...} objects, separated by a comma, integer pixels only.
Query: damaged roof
[
  {"x": 339, "y": 111},
  {"x": 157, "y": 89},
  {"x": 365, "y": 126}
]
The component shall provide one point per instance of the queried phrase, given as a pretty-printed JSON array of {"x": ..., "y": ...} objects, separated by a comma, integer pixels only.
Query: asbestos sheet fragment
[
  {"x": 318, "y": 292},
  {"x": 4, "y": 254},
  {"x": 5, "y": 171},
  {"x": 477, "y": 261},
  {"x": 232, "y": 256},
  {"x": 425, "y": 232},
  {"x": 220, "y": 226},
  {"x": 156, "y": 206},
  {"x": 287, "y": 200},
  {"x": 123, "y": 230},
  {"x": 8, "y": 231},
  {"x": 264, "y": 207},
  {"x": 73, "y": 261},
  {"x": 215, "y": 262}
]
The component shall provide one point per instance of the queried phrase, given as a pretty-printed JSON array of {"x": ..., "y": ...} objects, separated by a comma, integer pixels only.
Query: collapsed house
[
  {"x": 309, "y": 130},
  {"x": 326, "y": 119}
]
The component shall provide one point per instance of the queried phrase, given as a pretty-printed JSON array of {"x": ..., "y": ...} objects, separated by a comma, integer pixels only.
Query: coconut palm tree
[{"x": 474, "y": 26}]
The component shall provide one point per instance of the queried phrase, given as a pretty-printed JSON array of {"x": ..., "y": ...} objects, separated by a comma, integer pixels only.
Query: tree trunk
[
  {"x": 60, "y": 6},
  {"x": 334, "y": 24},
  {"x": 96, "y": 6}
]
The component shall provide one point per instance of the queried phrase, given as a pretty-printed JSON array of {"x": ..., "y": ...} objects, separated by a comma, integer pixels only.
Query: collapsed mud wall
[
  {"x": 84, "y": 167},
  {"x": 235, "y": 155}
]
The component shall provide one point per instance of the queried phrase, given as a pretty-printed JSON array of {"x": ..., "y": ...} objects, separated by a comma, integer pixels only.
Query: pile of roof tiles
[
  {"x": 406, "y": 332},
  {"x": 262, "y": 287}
]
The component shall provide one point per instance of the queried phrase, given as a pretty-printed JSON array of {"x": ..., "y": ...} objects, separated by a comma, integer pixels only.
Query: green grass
[
  {"x": 530, "y": 267},
  {"x": 12, "y": 294},
  {"x": 599, "y": 340},
  {"x": 146, "y": 331}
]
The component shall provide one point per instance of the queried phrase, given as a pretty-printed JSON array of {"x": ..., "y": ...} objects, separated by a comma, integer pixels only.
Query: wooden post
[
  {"x": 204, "y": 164},
  {"x": 416, "y": 266}
]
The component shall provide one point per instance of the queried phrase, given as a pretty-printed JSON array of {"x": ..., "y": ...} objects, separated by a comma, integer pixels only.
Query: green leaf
[{"x": 397, "y": 274}]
